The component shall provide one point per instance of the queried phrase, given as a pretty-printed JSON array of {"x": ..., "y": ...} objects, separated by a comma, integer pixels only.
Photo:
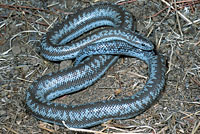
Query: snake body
[{"x": 105, "y": 45}]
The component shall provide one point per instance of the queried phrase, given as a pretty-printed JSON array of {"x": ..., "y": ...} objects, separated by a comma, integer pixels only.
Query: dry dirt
[{"x": 177, "y": 111}]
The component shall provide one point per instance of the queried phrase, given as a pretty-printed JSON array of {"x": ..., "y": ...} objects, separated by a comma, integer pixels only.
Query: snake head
[{"x": 142, "y": 42}]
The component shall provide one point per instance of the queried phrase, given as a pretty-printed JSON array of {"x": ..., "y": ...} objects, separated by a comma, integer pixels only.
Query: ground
[{"x": 175, "y": 31}]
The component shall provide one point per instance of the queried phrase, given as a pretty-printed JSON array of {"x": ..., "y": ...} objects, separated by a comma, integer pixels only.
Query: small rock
[
  {"x": 140, "y": 27},
  {"x": 23, "y": 49},
  {"x": 34, "y": 61},
  {"x": 25, "y": 68},
  {"x": 155, "y": 19},
  {"x": 16, "y": 50},
  {"x": 141, "y": 2},
  {"x": 2, "y": 112},
  {"x": 65, "y": 64}
]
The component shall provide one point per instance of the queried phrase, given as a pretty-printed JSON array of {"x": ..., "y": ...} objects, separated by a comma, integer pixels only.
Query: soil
[{"x": 177, "y": 110}]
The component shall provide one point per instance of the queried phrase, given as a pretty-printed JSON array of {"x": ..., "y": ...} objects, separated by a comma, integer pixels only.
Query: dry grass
[{"x": 173, "y": 26}]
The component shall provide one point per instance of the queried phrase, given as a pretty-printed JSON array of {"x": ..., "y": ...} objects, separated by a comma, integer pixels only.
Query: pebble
[
  {"x": 2, "y": 112},
  {"x": 65, "y": 64},
  {"x": 25, "y": 68},
  {"x": 16, "y": 50}
]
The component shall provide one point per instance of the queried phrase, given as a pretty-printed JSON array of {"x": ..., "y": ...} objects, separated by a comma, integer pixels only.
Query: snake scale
[{"x": 110, "y": 33}]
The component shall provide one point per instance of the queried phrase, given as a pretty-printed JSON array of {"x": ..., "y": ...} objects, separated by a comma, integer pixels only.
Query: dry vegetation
[{"x": 172, "y": 25}]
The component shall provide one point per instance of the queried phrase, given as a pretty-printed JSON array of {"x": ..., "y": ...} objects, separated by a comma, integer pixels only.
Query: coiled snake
[{"x": 105, "y": 44}]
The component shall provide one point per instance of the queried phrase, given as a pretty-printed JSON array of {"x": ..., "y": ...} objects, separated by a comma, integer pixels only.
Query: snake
[{"x": 109, "y": 33}]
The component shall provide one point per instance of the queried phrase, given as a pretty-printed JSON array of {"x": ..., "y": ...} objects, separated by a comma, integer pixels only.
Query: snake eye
[{"x": 143, "y": 45}]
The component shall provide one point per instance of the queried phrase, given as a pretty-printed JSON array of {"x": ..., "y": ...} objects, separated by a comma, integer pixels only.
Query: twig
[
  {"x": 181, "y": 15},
  {"x": 82, "y": 130},
  {"x": 195, "y": 128},
  {"x": 169, "y": 9},
  {"x": 121, "y": 2},
  {"x": 178, "y": 2},
  {"x": 188, "y": 114},
  {"x": 170, "y": 59},
  {"x": 44, "y": 127},
  {"x": 159, "y": 42},
  {"x": 138, "y": 75},
  {"x": 28, "y": 31},
  {"x": 16, "y": 7},
  {"x": 197, "y": 43},
  {"x": 150, "y": 31},
  {"x": 196, "y": 81},
  {"x": 24, "y": 80},
  {"x": 156, "y": 14},
  {"x": 188, "y": 102},
  {"x": 132, "y": 73},
  {"x": 177, "y": 18},
  {"x": 11, "y": 130}
]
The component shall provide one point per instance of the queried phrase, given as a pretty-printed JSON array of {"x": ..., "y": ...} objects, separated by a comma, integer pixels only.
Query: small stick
[
  {"x": 177, "y": 18},
  {"x": 181, "y": 15},
  {"x": 82, "y": 130}
]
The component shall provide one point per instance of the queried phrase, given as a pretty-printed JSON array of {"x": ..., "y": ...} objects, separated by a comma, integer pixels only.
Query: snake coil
[{"x": 105, "y": 44}]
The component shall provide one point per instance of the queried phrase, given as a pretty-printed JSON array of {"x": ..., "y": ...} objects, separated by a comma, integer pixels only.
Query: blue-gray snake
[{"x": 94, "y": 54}]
